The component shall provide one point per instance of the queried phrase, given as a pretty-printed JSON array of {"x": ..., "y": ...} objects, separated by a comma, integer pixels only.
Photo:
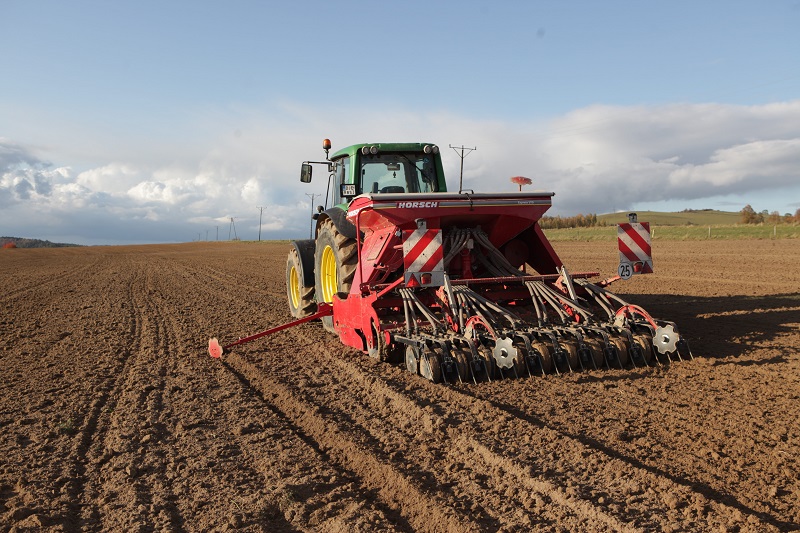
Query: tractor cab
[{"x": 384, "y": 168}]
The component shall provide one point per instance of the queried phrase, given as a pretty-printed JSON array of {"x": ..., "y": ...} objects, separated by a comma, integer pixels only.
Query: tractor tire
[
  {"x": 335, "y": 261},
  {"x": 301, "y": 299}
]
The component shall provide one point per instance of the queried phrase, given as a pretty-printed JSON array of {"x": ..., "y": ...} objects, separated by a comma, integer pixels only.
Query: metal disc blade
[
  {"x": 665, "y": 338},
  {"x": 504, "y": 353}
]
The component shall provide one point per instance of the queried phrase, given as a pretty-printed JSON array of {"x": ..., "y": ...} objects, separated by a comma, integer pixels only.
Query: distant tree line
[
  {"x": 750, "y": 216},
  {"x": 20, "y": 242},
  {"x": 578, "y": 221}
]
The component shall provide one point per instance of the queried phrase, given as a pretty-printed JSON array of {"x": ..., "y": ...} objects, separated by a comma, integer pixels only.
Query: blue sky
[{"x": 128, "y": 122}]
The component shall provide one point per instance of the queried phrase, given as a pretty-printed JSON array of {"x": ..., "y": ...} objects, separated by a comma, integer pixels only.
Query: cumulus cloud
[
  {"x": 770, "y": 162},
  {"x": 23, "y": 176},
  {"x": 13, "y": 155},
  {"x": 251, "y": 191},
  {"x": 593, "y": 158},
  {"x": 679, "y": 151},
  {"x": 114, "y": 178}
]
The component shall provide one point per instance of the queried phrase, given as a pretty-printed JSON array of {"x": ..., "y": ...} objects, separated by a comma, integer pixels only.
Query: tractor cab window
[{"x": 398, "y": 173}]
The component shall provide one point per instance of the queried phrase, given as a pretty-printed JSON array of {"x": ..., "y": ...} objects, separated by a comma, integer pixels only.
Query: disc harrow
[
  {"x": 564, "y": 325},
  {"x": 552, "y": 333},
  {"x": 460, "y": 287}
]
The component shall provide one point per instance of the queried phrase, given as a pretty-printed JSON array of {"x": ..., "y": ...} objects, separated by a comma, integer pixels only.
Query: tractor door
[{"x": 342, "y": 176}]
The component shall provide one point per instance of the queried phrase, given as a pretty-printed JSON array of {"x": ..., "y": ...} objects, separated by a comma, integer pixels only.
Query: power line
[{"x": 461, "y": 176}]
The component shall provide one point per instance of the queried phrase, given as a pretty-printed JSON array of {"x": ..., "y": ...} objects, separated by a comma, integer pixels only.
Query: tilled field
[{"x": 113, "y": 417}]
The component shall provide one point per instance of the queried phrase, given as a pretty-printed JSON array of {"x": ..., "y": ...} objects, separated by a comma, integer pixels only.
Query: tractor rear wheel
[
  {"x": 335, "y": 261},
  {"x": 301, "y": 299}
]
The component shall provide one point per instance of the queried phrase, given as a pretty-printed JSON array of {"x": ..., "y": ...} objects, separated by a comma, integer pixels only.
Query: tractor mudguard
[
  {"x": 305, "y": 249},
  {"x": 339, "y": 218}
]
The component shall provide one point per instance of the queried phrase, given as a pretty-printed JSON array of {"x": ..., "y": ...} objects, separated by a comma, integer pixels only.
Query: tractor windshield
[{"x": 398, "y": 172}]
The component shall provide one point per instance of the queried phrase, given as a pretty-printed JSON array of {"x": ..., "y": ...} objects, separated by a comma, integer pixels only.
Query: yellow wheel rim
[
  {"x": 294, "y": 287},
  {"x": 328, "y": 275}
]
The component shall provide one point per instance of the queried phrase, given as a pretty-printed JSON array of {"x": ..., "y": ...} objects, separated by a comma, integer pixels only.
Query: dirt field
[{"x": 113, "y": 417}]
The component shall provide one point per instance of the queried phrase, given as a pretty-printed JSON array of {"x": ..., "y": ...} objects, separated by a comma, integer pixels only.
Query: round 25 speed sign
[{"x": 625, "y": 270}]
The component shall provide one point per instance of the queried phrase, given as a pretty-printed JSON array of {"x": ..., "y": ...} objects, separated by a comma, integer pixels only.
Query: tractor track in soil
[
  {"x": 113, "y": 417},
  {"x": 134, "y": 417},
  {"x": 327, "y": 509},
  {"x": 496, "y": 452},
  {"x": 442, "y": 446},
  {"x": 97, "y": 423}
]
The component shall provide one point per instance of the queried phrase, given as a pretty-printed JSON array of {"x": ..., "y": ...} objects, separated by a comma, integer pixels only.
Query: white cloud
[
  {"x": 757, "y": 163},
  {"x": 251, "y": 191},
  {"x": 70, "y": 196},
  {"x": 594, "y": 159},
  {"x": 115, "y": 178},
  {"x": 625, "y": 155},
  {"x": 151, "y": 191}
]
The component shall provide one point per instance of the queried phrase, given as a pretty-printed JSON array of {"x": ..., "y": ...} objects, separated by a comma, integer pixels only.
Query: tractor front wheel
[
  {"x": 334, "y": 266},
  {"x": 301, "y": 299}
]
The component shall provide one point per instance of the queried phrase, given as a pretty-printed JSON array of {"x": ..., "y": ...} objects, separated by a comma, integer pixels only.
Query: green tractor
[{"x": 319, "y": 268}]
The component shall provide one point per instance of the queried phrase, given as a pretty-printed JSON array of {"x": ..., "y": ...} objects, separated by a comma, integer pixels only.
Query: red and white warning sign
[
  {"x": 423, "y": 257},
  {"x": 635, "y": 256}
]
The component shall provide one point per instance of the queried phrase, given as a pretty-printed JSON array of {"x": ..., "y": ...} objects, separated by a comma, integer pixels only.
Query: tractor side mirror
[{"x": 305, "y": 173}]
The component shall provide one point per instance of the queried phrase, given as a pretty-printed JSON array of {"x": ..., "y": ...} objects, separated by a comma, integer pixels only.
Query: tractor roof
[{"x": 382, "y": 147}]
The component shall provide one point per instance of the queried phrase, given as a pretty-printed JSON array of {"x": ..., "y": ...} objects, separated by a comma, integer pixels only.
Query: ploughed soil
[{"x": 113, "y": 417}]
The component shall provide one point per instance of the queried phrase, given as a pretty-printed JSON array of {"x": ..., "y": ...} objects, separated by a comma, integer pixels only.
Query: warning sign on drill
[
  {"x": 423, "y": 258},
  {"x": 635, "y": 257}
]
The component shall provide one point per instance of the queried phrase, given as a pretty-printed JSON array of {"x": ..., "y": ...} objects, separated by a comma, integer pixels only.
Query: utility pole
[
  {"x": 206, "y": 234},
  {"x": 461, "y": 176},
  {"x": 260, "y": 212},
  {"x": 217, "y": 232},
  {"x": 311, "y": 226}
]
